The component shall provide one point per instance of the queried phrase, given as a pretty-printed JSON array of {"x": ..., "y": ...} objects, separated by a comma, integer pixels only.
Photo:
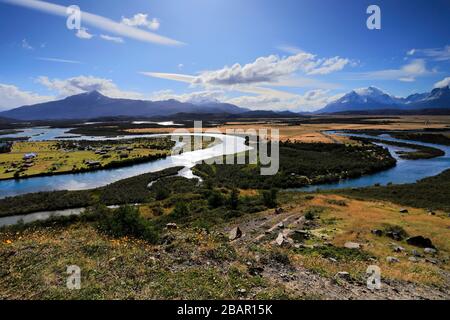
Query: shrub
[
  {"x": 216, "y": 199},
  {"x": 233, "y": 200},
  {"x": 181, "y": 210},
  {"x": 269, "y": 198},
  {"x": 126, "y": 221}
]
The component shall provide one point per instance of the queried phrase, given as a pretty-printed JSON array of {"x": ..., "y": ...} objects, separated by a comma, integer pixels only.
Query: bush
[
  {"x": 216, "y": 199},
  {"x": 181, "y": 210},
  {"x": 126, "y": 221},
  {"x": 233, "y": 200},
  {"x": 269, "y": 198}
]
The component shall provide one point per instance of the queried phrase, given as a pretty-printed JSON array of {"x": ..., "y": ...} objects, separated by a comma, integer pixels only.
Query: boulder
[
  {"x": 280, "y": 240},
  {"x": 352, "y": 245},
  {"x": 404, "y": 210},
  {"x": 377, "y": 232},
  {"x": 392, "y": 260},
  {"x": 278, "y": 211},
  {"x": 430, "y": 250},
  {"x": 399, "y": 249},
  {"x": 413, "y": 259},
  {"x": 235, "y": 233},
  {"x": 171, "y": 226},
  {"x": 420, "y": 241}
]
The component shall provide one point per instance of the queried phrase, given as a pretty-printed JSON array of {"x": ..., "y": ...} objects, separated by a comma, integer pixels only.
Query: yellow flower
[{"x": 8, "y": 241}]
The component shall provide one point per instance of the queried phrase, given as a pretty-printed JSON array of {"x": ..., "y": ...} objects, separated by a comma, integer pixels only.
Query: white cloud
[
  {"x": 407, "y": 73},
  {"x": 82, "y": 33},
  {"x": 141, "y": 20},
  {"x": 113, "y": 39},
  {"x": 97, "y": 21},
  {"x": 26, "y": 45},
  {"x": 12, "y": 97},
  {"x": 58, "y": 60},
  {"x": 80, "y": 84},
  {"x": 437, "y": 54},
  {"x": 192, "y": 97},
  {"x": 271, "y": 69},
  {"x": 330, "y": 65},
  {"x": 443, "y": 83}
]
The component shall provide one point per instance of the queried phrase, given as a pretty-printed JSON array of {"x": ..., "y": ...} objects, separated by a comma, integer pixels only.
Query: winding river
[{"x": 406, "y": 171}]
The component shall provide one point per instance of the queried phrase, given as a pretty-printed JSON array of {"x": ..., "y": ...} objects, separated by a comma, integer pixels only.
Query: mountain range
[
  {"x": 374, "y": 99},
  {"x": 92, "y": 105}
]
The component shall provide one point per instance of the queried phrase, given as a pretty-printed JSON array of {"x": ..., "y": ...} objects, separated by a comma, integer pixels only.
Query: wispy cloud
[
  {"x": 99, "y": 22},
  {"x": 26, "y": 45},
  {"x": 437, "y": 54},
  {"x": 110, "y": 38},
  {"x": 406, "y": 73},
  {"x": 58, "y": 60}
]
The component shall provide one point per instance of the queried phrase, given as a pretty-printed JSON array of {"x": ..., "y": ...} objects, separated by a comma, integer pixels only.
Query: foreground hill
[{"x": 93, "y": 104}]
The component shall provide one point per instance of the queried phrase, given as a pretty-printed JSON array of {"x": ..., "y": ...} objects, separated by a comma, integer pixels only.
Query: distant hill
[
  {"x": 372, "y": 100},
  {"x": 93, "y": 105}
]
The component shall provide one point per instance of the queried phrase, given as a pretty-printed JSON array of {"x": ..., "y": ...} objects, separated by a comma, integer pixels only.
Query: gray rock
[
  {"x": 399, "y": 249},
  {"x": 416, "y": 253},
  {"x": 280, "y": 240},
  {"x": 430, "y": 250},
  {"x": 280, "y": 225},
  {"x": 392, "y": 260},
  {"x": 352, "y": 245},
  {"x": 377, "y": 232},
  {"x": 404, "y": 210},
  {"x": 235, "y": 233},
  {"x": 343, "y": 275},
  {"x": 413, "y": 259},
  {"x": 430, "y": 260},
  {"x": 171, "y": 226}
]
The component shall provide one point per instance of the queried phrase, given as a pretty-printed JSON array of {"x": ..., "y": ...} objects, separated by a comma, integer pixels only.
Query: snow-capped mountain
[{"x": 372, "y": 98}]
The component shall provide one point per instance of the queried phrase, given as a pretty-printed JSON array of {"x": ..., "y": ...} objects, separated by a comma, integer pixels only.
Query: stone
[
  {"x": 235, "y": 233},
  {"x": 404, "y": 210},
  {"x": 352, "y": 245},
  {"x": 280, "y": 240},
  {"x": 399, "y": 249},
  {"x": 171, "y": 226},
  {"x": 430, "y": 250},
  {"x": 413, "y": 259},
  {"x": 420, "y": 241},
  {"x": 415, "y": 253},
  {"x": 394, "y": 235},
  {"x": 278, "y": 210},
  {"x": 392, "y": 260},
  {"x": 280, "y": 225},
  {"x": 343, "y": 275},
  {"x": 377, "y": 232},
  {"x": 255, "y": 270},
  {"x": 432, "y": 261}
]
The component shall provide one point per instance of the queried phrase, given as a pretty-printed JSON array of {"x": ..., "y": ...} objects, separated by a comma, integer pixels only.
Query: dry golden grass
[
  {"x": 313, "y": 132},
  {"x": 355, "y": 221}
]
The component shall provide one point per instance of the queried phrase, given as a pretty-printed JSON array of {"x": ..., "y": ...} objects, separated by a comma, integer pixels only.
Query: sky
[{"x": 294, "y": 55}]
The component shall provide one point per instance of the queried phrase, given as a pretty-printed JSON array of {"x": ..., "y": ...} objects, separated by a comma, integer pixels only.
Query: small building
[
  {"x": 92, "y": 163},
  {"x": 28, "y": 156}
]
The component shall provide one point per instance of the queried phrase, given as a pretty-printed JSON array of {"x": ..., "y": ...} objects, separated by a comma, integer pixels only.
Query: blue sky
[{"x": 262, "y": 54}]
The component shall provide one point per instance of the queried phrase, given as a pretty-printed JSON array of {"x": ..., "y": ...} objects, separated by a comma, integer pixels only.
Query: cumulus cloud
[
  {"x": 97, "y": 21},
  {"x": 406, "y": 73},
  {"x": 271, "y": 69},
  {"x": 443, "y": 83},
  {"x": 113, "y": 39},
  {"x": 12, "y": 97},
  {"x": 82, "y": 33},
  {"x": 141, "y": 20},
  {"x": 80, "y": 84},
  {"x": 310, "y": 101}
]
